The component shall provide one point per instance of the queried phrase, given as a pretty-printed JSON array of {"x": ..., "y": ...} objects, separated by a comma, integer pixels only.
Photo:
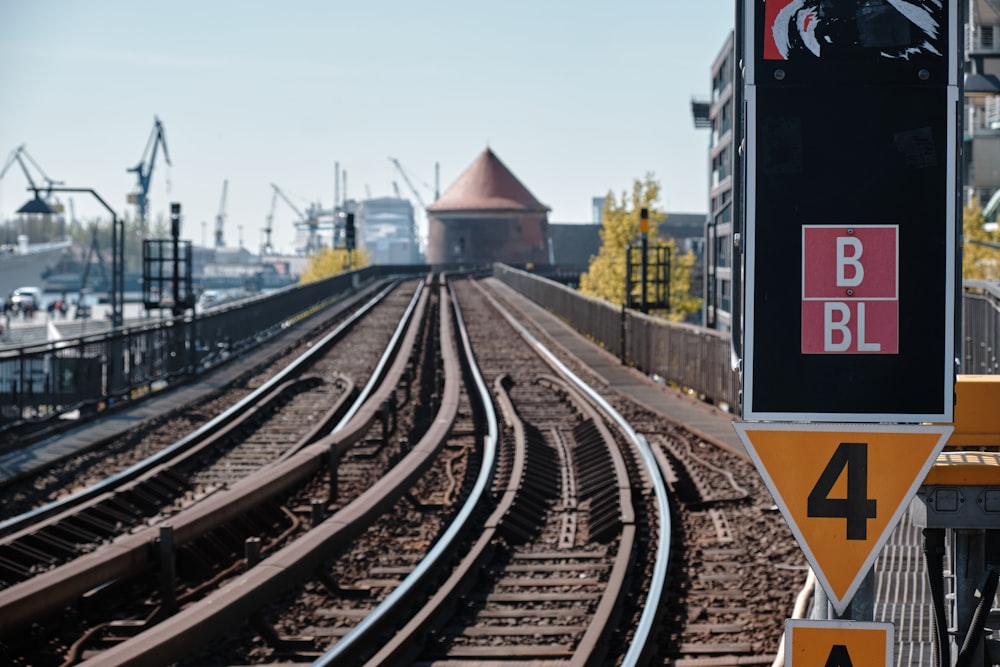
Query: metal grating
[{"x": 902, "y": 595}]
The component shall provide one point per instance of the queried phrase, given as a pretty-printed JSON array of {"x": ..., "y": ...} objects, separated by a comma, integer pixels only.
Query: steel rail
[
  {"x": 128, "y": 518},
  {"x": 591, "y": 648},
  {"x": 383, "y": 362},
  {"x": 641, "y": 644},
  {"x": 400, "y": 649},
  {"x": 397, "y": 650},
  {"x": 373, "y": 624},
  {"x": 32, "y": 599},
  {"x": 200, "y": 623},
  {"x": 205, "y": 431}
]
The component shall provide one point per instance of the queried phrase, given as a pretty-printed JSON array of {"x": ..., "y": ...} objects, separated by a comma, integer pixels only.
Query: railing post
[{"x": 621, "y": 337}]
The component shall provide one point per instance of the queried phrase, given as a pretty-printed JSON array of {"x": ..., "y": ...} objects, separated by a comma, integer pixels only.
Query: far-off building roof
[
  {"x": 487, "y": 184},
  {"x": 486, "y": 216}
]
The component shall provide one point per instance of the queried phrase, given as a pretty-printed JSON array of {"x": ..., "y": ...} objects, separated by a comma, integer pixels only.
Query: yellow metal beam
[{"x": 977, "y": 411}]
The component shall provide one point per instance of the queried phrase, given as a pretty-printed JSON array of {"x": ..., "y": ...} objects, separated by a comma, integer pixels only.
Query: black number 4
[{"x": 857, "y": 508}]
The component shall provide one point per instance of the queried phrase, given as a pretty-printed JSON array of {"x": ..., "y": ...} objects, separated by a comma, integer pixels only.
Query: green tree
[
  {"x": 979, "y": 261},
  {"x": 329, "y": 261},
  {"x": 605, "y": 277}
]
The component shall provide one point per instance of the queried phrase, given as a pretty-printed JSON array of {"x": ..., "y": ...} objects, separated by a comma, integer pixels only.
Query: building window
[
  {"x": 725, "y": 300},
  {"x": 986, "y": 36},
  {"x": 720, "y": 167},
  {"x": 724, "y": 251}
]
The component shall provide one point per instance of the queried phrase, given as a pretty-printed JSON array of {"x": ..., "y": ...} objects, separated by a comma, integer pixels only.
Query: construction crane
[
  {"x": 16, "y": 156},
  {"x": 288, "y": 201},
  {"x": 311, "y": 221},
  {"x": 267, "y": 248},
  {"x": 420, "y": 200},
  {"x": 144, "y": 170},
  {"x": 220, "y": 219},
  {"x": 402, "y": 172}
]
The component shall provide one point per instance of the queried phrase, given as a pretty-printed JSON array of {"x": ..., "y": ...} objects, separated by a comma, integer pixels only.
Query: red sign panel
[
  {"x": 815, "y": 29},
  {"x": 850, "y": 289}
]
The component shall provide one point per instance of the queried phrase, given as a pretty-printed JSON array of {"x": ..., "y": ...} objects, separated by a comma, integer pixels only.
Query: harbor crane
[
  {"x": 220, "y": 219},
  {"x": 420, "y": 200},
  {"x": 267, "y": 248},
  {"x": 16, "y": 156},
  {"x": 144, "y": 171},
  {"x": 310, "y": 219},
  {"x": 402, "y": 172}
]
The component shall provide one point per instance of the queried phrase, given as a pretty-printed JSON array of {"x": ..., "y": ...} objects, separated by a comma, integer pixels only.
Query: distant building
[
  {"x": 597, "y": 210},
  {"x": 387, "y": 231},
  {"x": 717, "y": 115},
  {"x": 487, "y": 215},
  {"x": 981, "y": 154},
  {"x": 573, "y": 245}
]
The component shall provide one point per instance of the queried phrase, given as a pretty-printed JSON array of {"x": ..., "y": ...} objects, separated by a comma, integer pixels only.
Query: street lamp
[{"x": 38, "y": 205}]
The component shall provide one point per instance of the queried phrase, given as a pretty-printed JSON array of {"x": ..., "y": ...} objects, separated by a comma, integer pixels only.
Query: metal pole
[
  {"x": 628, "y": 276},
  {"x": 644, "y": 229},
  {"x": 175, "y": 234},
  {"x": 115, "y": 260},
  {"x": 118, "y": 303},
  {"x": 117, "y": 254}
]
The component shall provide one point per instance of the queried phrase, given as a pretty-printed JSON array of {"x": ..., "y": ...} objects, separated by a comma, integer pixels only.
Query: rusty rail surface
[
  {"x": 642, "y": 644},
  {"x": 385, "y": 616},
  {"x": 198, "y": 436},
  {"x": 129, "y": 555},
  {"x": 201, "y": 622}
]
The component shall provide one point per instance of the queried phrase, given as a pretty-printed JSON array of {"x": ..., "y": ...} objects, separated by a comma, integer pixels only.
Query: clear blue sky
[{"x": 575, "y": 98}]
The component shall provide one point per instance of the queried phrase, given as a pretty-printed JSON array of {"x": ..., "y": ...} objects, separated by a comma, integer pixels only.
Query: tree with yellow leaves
[
  {"x": 327, "y": 262},
  {"x": 980, "y": 261},
  {"x": 605, "y": 277}
]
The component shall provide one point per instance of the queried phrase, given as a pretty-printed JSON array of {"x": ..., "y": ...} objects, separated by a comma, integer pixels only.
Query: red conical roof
[{"x": 487, "y": 184}]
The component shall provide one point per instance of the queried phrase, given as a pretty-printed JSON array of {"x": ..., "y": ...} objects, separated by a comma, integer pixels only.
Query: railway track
[
  {"x": 417, "y": 533},
  {"x": 200, "y": 537},
  {"x": 286, "y": 412},
  {"x": 735, "y": 567},
  {"x": 87, "y": 473}
]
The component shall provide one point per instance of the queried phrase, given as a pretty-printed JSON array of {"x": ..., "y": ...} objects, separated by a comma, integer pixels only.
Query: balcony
[{"x": 982, "y": 39}]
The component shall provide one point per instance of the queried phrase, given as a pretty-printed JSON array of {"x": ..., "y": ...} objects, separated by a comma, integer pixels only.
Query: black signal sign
[{"x": 851, "y": 200}]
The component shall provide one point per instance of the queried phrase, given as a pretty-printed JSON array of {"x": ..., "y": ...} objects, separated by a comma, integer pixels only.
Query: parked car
[{"x": 22, "y": 297}]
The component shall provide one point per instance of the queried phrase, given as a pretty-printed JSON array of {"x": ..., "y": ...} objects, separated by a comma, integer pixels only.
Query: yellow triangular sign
[{"x": 842, "y": 488}]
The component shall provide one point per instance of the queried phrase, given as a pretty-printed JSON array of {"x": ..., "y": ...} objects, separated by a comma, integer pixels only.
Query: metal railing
[
  {"x": 980, "y": 327},
  {"x": 45, "y": 385},
  {"x": 41, "y": 384},
  {"x": 699, "y": 360}
]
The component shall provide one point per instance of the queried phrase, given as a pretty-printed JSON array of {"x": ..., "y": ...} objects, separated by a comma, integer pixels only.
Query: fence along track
[{"x": 200, "y": 623}]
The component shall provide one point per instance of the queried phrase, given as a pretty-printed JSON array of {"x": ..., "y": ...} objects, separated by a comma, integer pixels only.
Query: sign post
[
  {"x": 851, "y": 129},
  {"x": 851, "y": 207},
  {"x": 839, "y": 643},
  {"x": 842, "y": 488}
]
